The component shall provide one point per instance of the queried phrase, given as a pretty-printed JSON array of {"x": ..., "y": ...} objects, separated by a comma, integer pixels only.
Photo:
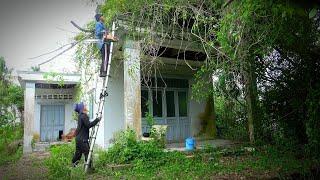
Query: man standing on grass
[{"x": 82, "y": 133}]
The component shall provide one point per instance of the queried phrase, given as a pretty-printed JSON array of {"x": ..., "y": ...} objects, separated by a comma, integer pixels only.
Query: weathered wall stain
[
  {"x": 132, "y": 86},
  {"x": 208, "y": 120}
]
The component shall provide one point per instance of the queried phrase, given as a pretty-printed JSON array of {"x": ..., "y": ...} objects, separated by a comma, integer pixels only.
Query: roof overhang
[{"x": 39, "y": 77}]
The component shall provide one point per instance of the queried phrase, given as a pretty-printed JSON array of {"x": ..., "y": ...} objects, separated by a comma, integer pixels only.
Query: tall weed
[
  {"x": 59, "y": 164},
  {"x": 10, "y": 143}
]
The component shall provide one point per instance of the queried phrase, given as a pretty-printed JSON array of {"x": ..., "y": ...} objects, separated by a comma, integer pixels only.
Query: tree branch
[
  {"x": 81, "y": 29},
  {"x": 227, "y": 3}
]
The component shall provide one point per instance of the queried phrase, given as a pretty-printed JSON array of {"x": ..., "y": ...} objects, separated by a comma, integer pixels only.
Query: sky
[{"x": 29, "y": 28}]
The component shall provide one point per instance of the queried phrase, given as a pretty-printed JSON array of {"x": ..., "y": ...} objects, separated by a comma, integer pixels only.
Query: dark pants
[
  {"x": 82, "y": 147},
  {"x": 105, "y": 52}
]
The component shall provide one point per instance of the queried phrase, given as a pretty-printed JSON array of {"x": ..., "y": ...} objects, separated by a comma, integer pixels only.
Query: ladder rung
[{"x": 103, "y": 95}]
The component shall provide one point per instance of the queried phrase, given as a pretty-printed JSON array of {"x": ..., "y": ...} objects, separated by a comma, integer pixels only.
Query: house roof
[{"x": 40, "y": 77}]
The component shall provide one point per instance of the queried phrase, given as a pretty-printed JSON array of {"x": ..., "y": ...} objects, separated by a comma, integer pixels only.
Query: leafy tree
[
  {"x": 11, "y": 96},
  {"x": 265, "y": 55}
]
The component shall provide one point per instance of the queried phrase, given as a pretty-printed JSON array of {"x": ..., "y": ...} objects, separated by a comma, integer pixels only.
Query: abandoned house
[{"x": 131, "y": 94}]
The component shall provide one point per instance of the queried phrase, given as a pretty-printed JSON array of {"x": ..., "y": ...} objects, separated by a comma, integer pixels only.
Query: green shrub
[
  {"x": 158, "y": 134},
  {"x": 313, "y": 123},
  {"x": 10, "y": 143},
  {"x": 126, "y": 149},
  {"x": 59, "y": 164}
]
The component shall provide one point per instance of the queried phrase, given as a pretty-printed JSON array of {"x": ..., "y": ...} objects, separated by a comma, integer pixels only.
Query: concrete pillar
[
  {"x": 29, "y": 103},
  {"x": 132, "y": 86}
]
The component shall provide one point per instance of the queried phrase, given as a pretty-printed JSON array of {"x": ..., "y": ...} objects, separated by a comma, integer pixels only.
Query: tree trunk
[{"x": 251, "y": 99}]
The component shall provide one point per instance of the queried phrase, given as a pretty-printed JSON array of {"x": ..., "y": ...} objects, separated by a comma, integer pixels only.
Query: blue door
[
  {"x": 168, "y": 107},
  {"x": 51, "y": 122}
]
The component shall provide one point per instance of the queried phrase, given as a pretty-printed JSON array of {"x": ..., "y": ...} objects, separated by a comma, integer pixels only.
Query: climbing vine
[
  {"x": 54, "y": 76},
  {"x": 251, "y": 46}
]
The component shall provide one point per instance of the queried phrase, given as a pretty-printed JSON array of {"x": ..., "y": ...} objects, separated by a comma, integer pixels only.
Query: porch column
[
  {"x": 29, "y": 103},
  {"x": 132, "y": 86}
]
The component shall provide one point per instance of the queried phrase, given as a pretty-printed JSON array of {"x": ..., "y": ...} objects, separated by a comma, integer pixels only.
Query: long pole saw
[{"x": 80, "y": 28}]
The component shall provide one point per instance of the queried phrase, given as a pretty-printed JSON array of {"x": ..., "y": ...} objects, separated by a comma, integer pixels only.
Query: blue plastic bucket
[{"x": 190, "y": 143}]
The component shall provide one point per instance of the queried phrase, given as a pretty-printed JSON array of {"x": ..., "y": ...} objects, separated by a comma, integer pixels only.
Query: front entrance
[
  {"x": 52, "y": 122},
  {"x": 168, "y": 106}
]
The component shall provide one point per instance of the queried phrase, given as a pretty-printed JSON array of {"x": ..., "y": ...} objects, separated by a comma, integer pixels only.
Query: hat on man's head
[
  {"x": 97, "y": 16},
  {"x": 79, "y": 107}
]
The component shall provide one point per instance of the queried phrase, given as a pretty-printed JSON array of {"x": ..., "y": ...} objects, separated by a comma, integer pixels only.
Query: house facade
[
  {"x": 132, "y": 94},
  {"x": 48, "y": 106}
]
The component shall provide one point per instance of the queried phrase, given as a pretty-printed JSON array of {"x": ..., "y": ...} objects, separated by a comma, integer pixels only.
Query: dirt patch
[{"x": 30, "y": 166}]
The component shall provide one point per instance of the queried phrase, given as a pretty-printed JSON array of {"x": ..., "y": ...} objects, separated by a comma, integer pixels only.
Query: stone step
[{"x": 41, "y": 147}]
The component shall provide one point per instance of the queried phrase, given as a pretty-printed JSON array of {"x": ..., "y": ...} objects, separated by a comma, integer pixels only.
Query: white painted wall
[
  {"x": 100, "y": 141},
  {"x": 114, "y": 105}
]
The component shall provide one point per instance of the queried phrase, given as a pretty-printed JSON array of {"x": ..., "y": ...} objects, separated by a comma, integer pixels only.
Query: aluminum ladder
[{"x": 103, "y": 95}]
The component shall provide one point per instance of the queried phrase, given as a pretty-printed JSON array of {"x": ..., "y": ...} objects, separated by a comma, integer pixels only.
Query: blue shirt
[{"x": 99, "y": 31}]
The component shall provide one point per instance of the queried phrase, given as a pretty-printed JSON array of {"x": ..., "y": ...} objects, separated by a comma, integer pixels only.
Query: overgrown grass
[
  {"x": 266, "y": 160},
  {"x": 10, "y": 143},
  {"x": 59, "y": 164},
  {"x": 148, "y": 160},
  {"x": 272, "y": 160}
]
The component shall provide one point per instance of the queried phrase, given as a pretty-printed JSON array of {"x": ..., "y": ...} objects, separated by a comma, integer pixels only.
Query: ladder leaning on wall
[{"x": 103, "y": 94}]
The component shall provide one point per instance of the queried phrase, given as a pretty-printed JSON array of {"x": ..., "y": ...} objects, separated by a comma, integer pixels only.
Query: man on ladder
[
  {"x": 104, "y": 39},
  {"x": 105, "y": 46}
]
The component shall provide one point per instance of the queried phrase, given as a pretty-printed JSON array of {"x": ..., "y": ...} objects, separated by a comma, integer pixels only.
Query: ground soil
[{"x": 30, "y": 166}]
